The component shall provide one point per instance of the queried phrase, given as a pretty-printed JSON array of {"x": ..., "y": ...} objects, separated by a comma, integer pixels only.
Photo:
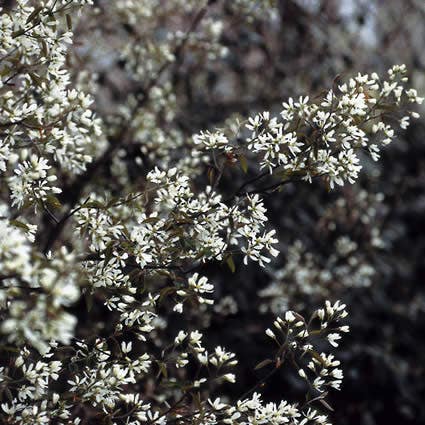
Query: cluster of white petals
[{"x": 325, "y": 137}]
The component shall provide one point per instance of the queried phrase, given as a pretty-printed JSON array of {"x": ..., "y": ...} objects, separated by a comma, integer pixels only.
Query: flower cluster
[
  {"x": 196, "y": 226},
  {"x": 313, "y": 274},
  {"x": 323, "y": 138},
  {"x": 45, "y": 123},
  {"x": 100, "y": 376}
]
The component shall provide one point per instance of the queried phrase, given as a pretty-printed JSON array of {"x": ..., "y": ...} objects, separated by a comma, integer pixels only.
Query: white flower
[
  {"x": 332, "y": 338},
  {"x": 178, "y": 308},
  {"x": 270, "y": 333},
  {"x": 229, "y": 377}
]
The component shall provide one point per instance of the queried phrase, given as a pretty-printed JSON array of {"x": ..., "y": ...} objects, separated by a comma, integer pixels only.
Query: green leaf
[
  {"x": 211, "y": 176},
  {"x": 151, "y": 220},
  {"x": 19, "y": 224},
  {"x": 94, "y": 204},
  {"x": 317, "y": 356},
  {"x": 383, "y": 107},
  {"x": 32, "y": 122},
  {"x": 326, "y": 405},
  {"x": 166, "y": 291},
  {"x": 53, "y": 202},
  {"x": 44, "y": 48},
  {"x": 18, "y": 33},
  {"x": 34, "y": 14},
  {"x": 263, "y": 364},
  {"x": 198, "y": 403},
  {"x": 231, "y": 263},
  {"x": 163, "y": 369},
  {"x": 69, "y": 21},
  {"x": 165, "y": 273},
  {"x": 244, "y": 163},
  {"x": 36, "y": 79}
]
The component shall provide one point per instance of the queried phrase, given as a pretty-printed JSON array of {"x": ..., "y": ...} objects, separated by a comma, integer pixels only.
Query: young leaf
[
  {"x": 231, "y": 263},
  {"x": 244, "y": 163},
  {"x": 263, "y": 364}
]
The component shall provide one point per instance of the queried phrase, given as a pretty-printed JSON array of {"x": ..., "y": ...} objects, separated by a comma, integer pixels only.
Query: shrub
[{"x": 112, "y": 210}]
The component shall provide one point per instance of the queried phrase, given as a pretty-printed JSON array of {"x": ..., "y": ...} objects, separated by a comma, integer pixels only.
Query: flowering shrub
[{"x": 111, "y": 207}]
